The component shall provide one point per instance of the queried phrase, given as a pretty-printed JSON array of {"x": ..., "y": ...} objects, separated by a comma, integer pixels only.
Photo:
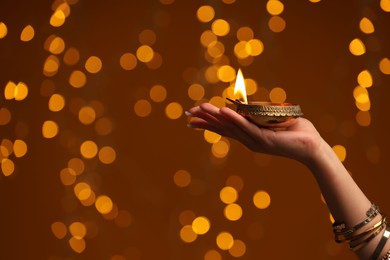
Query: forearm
[{"x": 345, "y": 200}]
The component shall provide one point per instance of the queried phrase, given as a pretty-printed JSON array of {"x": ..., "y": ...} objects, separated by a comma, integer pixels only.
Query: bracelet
[
  {"x": 371, "y": 213},
  {"x": 381, "y": 244},
  {"x": 352, "y": 238},
  {"x": 357, "y": 246},
  {"x": 386, "y": 256}
]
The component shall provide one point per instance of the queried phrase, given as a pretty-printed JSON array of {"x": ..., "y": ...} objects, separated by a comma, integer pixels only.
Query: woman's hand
[{"x": 300, "y": 141}]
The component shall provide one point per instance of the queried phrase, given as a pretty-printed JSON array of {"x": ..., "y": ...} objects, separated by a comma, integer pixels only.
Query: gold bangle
[
  {"x": 381, "y": 244},
  {"x": 363, "y": 243}
]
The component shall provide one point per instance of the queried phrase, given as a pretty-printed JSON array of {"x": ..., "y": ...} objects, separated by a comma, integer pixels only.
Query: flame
[{"x": 239, "y": 88}]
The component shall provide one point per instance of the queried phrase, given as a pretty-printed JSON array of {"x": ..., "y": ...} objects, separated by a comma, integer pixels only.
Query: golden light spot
[
  {"x": 49, "y": 129},
  {"x": 59, "y": 229},
  {"x": 208, "y": 38},
  {"x": 77, "y": 79},
  {"x": 67, "y": 176},
  {"x": 228, "y": 195},
  {"x": 182, "y": 178},
  {"x": 245, "y": 34},
  {"x": 220, "y": 149},
  {"x": 274, "y": 7},
  {"x": 235, "y": 182},
  {"x": 205, "y": 13},
  {"x": 82, "y": 190},
  {"x": 58, "y": 18},
  {"x": 145, "y": 53},
  {"x": 186, "y": 217},
  {"x": 361, "y": 94},
  {"x": 103, "y": 204},
  {"x": 357, "y": 47},
  {"x": 147, "y": 37},
  {"x": 20, "y": 148},
  {"x": 228, "y": 1},
  {"x": 21, "y": 91},
  {"x": 226, "y": 73},
  {"x": 3, "y": 30},
  {"x": 233, "y": 212},
  {"x": 384, "y": 66},
  {"x": 93, "y": 64},
  {"x": 142, "y": 108},
  {"x": 9, "y": 90},
  {"x": 277, "y": 24},
  {"x": 51, "y": 65},
  {"x": 385, "y": 5},
  {"x": 315, "y": 1},
  {"x": 90, "y": 200},
  {"x": 123, "y": 219},
  {"x": 331, "y": 218},
  {"x": 241, "y": 50},
  {"x": 201, "y": 225},
  {"x": 220, "y": 27},
  {"x": 187, "y": 234},
  {"x": 196, "y": 92},
  {"x": 112, "y": 214},
  {"x": 173, "y": 110},
  {"x": 107, "y": 155},
  {"x": 87, "y": 115},
  {"x": 77, "y": 165},
  {"x": 7, "y": 166},
  {"x": 238, "y": 249},
  {"x": 158, "y": 93},
  {"x": 363, "y": 106},
  {"x": 251, "y": 86},
  {"x": 217, "y": 101},
  {"x": 254, "y": 47},
  {"x": 225, "y": 240},
  {"x": 365, "y": 79},
  {"x": 211, "y": 74},
  {"x": 366, "y": 26},
  {"x": 211, "y": 137},
  {"x": 262, "y": 199},
  {"x": 27, "y": 33},
  {"x": 77, "y": 245},
  {"x": 156, "y": 62},
  {"x": 363, "y": 118},
  {"x": 216, "y": 50},
  {"x": 62, "y": 6},
  {"x": 277, "y": 95},
  {"x": 103, "y": 126},
  {"x": 212, "y": 255},
  {"x": 71, "y": 56},
  {"x": 56, "y": 102},
  {"x": 340, "y": 151},
  {"x": 78, "y": 230},
  {"x": 5, "y": 116},
  {"x": 128, "y": 61},
  {"x": 88, "y": 149}
]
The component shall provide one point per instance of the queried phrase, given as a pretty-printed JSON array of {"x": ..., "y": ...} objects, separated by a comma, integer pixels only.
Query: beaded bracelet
[
  {"x": 386, "y": 256},
  {"x": 381, "y": 244}
]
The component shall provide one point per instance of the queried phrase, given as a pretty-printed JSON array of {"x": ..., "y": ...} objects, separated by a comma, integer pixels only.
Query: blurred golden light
[
  {"x": 88, "y": 149},
  {"x": 254, "y": 47},
  {"x": 239, "y": 88},
  {"x": 103, "y": 204},
  {"x": 238, "y": 249},
  {"x": 357, "y": 47},
  {"x": 277, "y": 95},
  {"x": 9, "y": 90},
  {"x": 77, "y": 245},
  {"x": 27, "y": 33},
  {"x": 58, "y": 18},
  {"x": 56, "y": 102},
  {"x": 158, "y": 93},
  {"x": 314, "y": 1},
  {"x": 142, "y": 108},
  {"x": 93, "y": 64},
  {"x": 262, "y": 199},
  {"x": 196, "y": 92},
  {"x": 67, "y": 176},
  {"x": 173, "y": 110},
  {"x": 217, "y": 101},
  {"x": 201, "y": 225},
  {"x": 363, "y": 118},
  {"x": 145, "y": 53},
  {"x": 187, "y": 234},
  {"x": 182, "y": 178},
  {"x": 205, "y": 13},
  {"x": 245, "y": 34},
  {"x": 3, "y": 30},
  {"x": 250, "y": 86},
  {"x": 211, "y": 74},
  {"x": 128, "y": 61},
  {"x": 21, "y": 91},
  {"x": 226, "y": 73},
  {"x": 49, "y": 129},
  {"x": 366, "y": 26},
  {"x": 103, "y": 126},
  {"x": 123, "y": 219},
  {"x": 240, "y": 50},
  {"x": 59, "y": 229},
  {"x": 77, "y": 165},
  {"x": 212, "y": 255},
  {"x": 363, "y": 106},
  {"x": 216, "y": 49},
  {"x": 77, "y": 79},
  {"x": 63, "y": 6},
  {"x": 156, "y": 62},
  {"x": 340, "y": 151},
  {"x": 71, "y": 56},
  {"x": 228, "y": 1},
  {"x": 274, "y": 7},
  {"x": 112, "y": 214},
  {"x": 87, "y": 115},
  {"x": 147, "y": 37},
  {"x": 235, "y": 182},
  {"x": 7, "y": 166},
  {"x": 233, "y": 212},
  {"x": 208, "y": 38},
  {"x": 89, "y": 201},
  {"x": 361, "y": 94},
  {"x": 228, "y": 195},
  {"x": 82, "y": 190},
  {"x": 186, "y": 217},
  {"x": 107, "y": 155},
  {"x": 51, "y": 65},
  {"x": 385, "y": 5},
  {"x": 225, "y": 240},
  {"x": 6, "y": 147},
  {"x": 221, "y": 148},
  {"x": 20, "y": 148},
  {"x": 365, "y": 79},
  {"x": 220, "y": 27},
  {"x": 384, "y": 66},
  {"x": 78, "y": 230},
  {"x": 211, "y": 137}
]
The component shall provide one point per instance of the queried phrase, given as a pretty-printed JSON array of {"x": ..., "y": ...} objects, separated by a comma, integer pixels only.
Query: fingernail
[
  {"x": 187, "y": 113},
  {"x": 190, "y": 125}
]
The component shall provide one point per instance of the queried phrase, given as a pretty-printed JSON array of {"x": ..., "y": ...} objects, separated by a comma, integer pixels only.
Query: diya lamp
[{"x": 273, "y": 115}]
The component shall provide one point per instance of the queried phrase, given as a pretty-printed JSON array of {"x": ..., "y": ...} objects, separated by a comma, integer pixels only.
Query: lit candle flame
[{"x": 239, "y": 88}]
